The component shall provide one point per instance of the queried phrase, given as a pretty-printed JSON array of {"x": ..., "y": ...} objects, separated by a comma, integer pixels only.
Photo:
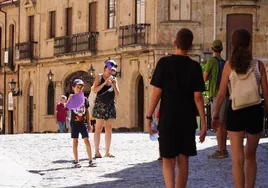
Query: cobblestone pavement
[{"x": 49, "y": 157}]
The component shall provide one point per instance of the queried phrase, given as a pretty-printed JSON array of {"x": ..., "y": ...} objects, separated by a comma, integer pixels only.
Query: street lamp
[
  {"x": 12, "y": 86},
  {"x": 91, "y": 72},
  {"x": 50, "y": 76}
]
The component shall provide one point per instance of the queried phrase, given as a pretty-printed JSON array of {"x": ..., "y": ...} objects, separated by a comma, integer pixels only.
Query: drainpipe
[
  {"x": 4, "y": 103},
  {"x": 215, "y": 20}
]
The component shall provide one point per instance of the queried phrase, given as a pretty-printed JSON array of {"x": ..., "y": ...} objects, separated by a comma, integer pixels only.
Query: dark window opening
[
  {"x": 52, "y": 24},
  {"x": 50, "y": 99}
]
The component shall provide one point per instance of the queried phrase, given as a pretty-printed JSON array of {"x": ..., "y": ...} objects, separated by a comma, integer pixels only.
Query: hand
[
  {"x": 89, "y": 128},
  {"x": 215, "y": 122},
  {"x": 203, "y": 134},
  {"x": 68, "y": 119},
  {"x": 70, "y": 96},
  {"x": 149, "y": 122}
]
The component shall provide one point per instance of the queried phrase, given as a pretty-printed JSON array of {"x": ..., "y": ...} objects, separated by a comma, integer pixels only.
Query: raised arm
[{"x": 97, "y": 86}]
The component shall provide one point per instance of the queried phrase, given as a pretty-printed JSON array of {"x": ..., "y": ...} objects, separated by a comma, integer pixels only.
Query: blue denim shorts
[{"x": 77, "y": 128}]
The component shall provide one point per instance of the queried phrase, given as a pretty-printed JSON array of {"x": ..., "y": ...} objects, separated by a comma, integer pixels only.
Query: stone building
[{"x": 68, "y": 37}]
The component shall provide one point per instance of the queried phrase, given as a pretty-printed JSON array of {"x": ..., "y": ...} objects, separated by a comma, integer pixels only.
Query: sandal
[
  {"x": 76, "y": 164},
  {"x": 91, "y": 164},
  {"x": 160, "y": 159},
  {"x": 97, "y": 156},
  {"x": 109, "y": 155}
]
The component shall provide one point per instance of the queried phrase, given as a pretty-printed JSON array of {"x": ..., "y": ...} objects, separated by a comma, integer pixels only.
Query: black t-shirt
[
  {"x": 178, "y": 77},
  {"x": 79, "y": 115}
]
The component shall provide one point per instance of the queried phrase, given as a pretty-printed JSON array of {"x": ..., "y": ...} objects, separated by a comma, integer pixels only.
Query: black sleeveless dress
[{"x": 105, "y": 107}]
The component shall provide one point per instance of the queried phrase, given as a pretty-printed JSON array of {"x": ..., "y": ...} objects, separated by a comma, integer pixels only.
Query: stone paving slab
[{"x": 49, "y": 157}]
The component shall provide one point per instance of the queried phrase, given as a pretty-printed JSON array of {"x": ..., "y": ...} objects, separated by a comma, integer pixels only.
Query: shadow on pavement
[
  {"x": 62, "y": 161},
  {"x": 203, "y": 172},
  {"x": 42, "y": 172}
]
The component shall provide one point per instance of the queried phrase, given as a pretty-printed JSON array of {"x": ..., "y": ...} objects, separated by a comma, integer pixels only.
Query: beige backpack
[{"x": 244, "y": 89}]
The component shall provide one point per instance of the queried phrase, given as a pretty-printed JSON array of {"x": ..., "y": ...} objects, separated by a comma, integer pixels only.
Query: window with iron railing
[
  {"x": 26, "y": 50},
  {"x": 136, "y": 34},
  {"x": 75, "y": 43}
]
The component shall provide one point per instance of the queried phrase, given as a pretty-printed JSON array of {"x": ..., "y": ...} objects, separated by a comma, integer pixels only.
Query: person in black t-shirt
[
  {"x": 179, "y": 83},
  {"x": 80, "y": 123}
]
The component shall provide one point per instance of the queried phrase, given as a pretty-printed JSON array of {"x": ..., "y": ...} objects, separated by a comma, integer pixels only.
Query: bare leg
[
  {"x": 108, "y": 135},
  {"x": 238, "y": 158},
  {"x": 250, "y": 155},
  {"x": 168, "y": 172},
  {"x": 75, "y": 145},
  {"x": 221, "y": 137},
  {"x": 88, "y": 147},
  {"x": 182, "y": 176},
  {"x": 98, "y": 129}
]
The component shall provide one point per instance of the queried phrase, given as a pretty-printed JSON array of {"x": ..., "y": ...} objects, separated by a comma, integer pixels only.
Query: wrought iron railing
[
  {"x": 137, "y": 34},
  {"x": 26, "y": 50},
  {"x": 76, "y": 43}
]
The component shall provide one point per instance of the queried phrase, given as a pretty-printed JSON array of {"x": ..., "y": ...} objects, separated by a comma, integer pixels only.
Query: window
[
  {"x": 68, "y": 21},
  {"x": 31, "y": 28},
  {"x": 92, "y": 20},
  {"x": 1, "y": 103},
  {"x": 1, "y": 60},
  {"x": 111, "y": 14},
  {"x": 11, "y": 47},
  {"x": 50, "y": 99},
  {"x": 140, "y": 11},
  {"x": 180, "y": 9},
  {"x": 52, "y": 24}
]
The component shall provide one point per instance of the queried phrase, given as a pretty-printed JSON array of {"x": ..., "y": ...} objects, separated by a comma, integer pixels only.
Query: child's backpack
[
  {"x": 244, "y": 89},
  {"x": 221, "y": 64}
]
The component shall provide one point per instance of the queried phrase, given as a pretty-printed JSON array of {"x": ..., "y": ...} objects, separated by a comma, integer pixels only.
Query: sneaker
[
  {"x": 218, "y": 155},
  {"x": 225, "y": 153},
  {"x": 91, "y": 164},
  {"x": 76, "y": 164}
]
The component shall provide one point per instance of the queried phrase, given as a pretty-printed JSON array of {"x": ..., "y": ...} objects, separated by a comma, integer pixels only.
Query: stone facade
[{"x": 136, "y": 62}]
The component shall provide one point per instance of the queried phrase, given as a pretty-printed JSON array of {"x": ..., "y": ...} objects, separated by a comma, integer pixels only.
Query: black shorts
[
  {"x": 77, "y": 128},
  {"x": 249, "y": 119},
  {"x": 172, "y": 145}
]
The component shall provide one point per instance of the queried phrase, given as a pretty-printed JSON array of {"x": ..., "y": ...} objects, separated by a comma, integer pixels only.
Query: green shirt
[{"x": 212, "y": 68}]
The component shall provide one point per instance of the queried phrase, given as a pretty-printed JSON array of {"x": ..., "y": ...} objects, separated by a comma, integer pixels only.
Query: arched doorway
[
  {"x": 30, "y": 109},
  {"x": 140, "y": 102},
  {"x": 77, "y": 75}
]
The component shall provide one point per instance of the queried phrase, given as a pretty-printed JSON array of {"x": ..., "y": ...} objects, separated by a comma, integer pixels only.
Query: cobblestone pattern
[{"x": 135, "y": 165}]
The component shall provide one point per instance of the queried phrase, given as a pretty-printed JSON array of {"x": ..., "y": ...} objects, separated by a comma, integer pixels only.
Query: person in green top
[{"x": 211, "y": 74}]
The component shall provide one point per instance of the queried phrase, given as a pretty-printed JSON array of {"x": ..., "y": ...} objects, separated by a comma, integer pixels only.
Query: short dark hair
[
  {"x": 217, "y": 51},
  {"x": 184, "y": 39}
]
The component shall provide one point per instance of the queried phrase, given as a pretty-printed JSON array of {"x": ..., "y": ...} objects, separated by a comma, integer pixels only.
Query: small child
[{"x": 80, "y": 123}]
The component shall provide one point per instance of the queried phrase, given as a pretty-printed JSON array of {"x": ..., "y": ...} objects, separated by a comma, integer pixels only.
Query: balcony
[
  {"x": 26, "y": 50},
  {"x": 77, "y": 43},
  {"x": 8, "y": 2},
  {"x": 133, "y": 35}
]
